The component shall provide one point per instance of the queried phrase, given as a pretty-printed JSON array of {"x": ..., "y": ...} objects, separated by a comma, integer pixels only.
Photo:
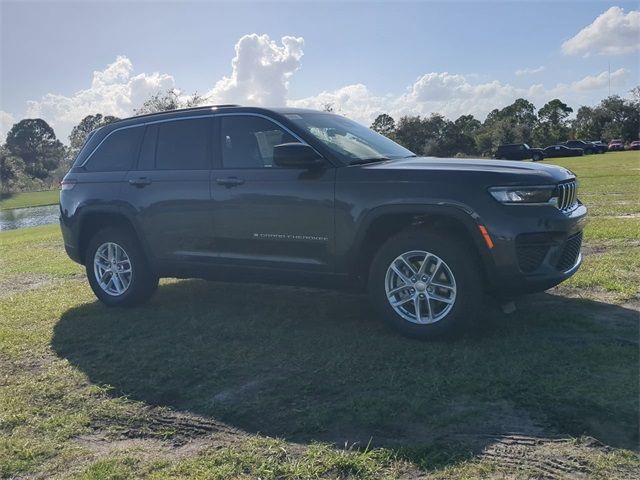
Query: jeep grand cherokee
[{"x": 310, "y": 198}]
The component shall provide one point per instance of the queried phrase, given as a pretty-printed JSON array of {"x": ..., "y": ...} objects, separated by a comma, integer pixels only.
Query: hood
[{"x": 534, "y": 172}]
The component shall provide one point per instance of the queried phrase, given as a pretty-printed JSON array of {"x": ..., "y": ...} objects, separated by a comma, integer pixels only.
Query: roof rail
[{"x": 189, "y": 109}]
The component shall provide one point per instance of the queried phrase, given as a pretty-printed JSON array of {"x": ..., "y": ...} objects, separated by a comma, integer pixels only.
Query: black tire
[
  {"x": 143, "y": 281},
  {"x": 536, "y": 157},
  {"x": 462, "y": 263}
]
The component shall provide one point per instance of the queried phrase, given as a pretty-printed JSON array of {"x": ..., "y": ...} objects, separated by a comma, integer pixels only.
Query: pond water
[{"x": 28, "y": 217}]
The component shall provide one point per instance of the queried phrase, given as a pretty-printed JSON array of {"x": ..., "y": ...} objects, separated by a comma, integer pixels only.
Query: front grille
[
  {"x": 567, "y": 195},
  {"x": 570, "y": 252}
]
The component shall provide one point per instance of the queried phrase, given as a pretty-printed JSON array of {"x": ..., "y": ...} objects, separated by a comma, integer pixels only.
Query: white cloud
[
  {"x": 594, "y": 82},
  {"x": 530, "y": 71},
  {"x": 442, "y": 92},
  {"x": 113, "y": 91},
  {"x": 6, "y": 122},
  {"x": 260, "y": 71},
  {"x": 260, "y": 75},
  {"x": 612, "y": 33},
  {"x": 453, "y": 95},
  {"x": 355, "y": 101}
]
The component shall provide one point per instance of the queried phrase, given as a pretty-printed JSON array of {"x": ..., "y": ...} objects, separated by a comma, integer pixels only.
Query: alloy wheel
[
  {"x": 112, "y": 269},
  {"x": 420, "y": 287}
]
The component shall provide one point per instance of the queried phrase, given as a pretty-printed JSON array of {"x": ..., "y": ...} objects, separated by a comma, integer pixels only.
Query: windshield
[{"x": 348, "y": 140}]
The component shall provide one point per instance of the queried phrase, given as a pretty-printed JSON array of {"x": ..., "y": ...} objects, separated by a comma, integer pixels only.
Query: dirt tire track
[
  {"x": 178, "y": 428},
  {"x": 536, "y": 454}
]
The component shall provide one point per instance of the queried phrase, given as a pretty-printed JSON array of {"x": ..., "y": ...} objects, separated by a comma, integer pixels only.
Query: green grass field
[
  {"x": 29, "y": 199},
  {"x": 214, "y": 381}
]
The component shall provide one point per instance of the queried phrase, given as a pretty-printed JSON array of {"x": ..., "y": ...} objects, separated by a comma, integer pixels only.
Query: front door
[{"x": 263, "y": 215}]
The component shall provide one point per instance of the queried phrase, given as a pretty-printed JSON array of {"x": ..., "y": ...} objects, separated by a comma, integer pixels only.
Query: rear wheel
[
  {"x": 118, "y": 271},
  {"x": 425, "y": 285}
]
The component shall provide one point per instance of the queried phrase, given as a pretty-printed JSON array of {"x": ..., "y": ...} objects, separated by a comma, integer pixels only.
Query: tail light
[{"x": 68, "y": 183}]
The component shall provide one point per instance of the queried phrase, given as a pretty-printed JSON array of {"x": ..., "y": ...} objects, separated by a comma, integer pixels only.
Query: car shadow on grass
[{"x": 311, "y": 365}]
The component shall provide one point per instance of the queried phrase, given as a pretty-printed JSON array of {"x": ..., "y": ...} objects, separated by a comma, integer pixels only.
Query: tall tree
[
  {"x": 589, "y": 123},
  {"x": 169, "y": 100},
  {"x": 521, "y": 115},
  {"x": 552, "y": 123},
  {"x": 11, "y": 168},
  {"x": 512, "y": 124},
  {"x": 35, "y": 142},
  {"x": 89, "y": 123},
  {"x": 466, "y": 128},
  {"x": 410, "y": 133},
  {"x": 435, "y": 129},
  {"x": 623, "y": 118},
  {"x": 614, "y": 117},
  {"x": 384, "y": 124}
]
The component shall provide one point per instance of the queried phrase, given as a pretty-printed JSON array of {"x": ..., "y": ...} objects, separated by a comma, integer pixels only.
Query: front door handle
[
  {"x": 140, "y": 182},
  {"x": 229, "y": 181}
]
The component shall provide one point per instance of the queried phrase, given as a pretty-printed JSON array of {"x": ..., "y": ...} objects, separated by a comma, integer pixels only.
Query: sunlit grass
[
  {"x": 29, "y": 199},
  {"x": 299, "y": 372}
]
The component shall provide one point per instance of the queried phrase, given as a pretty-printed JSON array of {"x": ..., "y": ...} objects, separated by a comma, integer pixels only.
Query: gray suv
[{"x": 302, "y": 197}]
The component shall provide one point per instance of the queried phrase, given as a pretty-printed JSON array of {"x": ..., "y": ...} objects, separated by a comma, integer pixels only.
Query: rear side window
[
  {"x": 183, "y": 145},
  {"x": 118, "y": 152}
]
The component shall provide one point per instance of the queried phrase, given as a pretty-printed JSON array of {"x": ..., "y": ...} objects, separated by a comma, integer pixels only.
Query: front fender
[{"x": 459, "y": 213}]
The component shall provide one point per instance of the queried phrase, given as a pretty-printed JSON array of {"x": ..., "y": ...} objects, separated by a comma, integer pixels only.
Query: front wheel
[
  {"x": 117, "y": 269},
  {"x": 426, "y": 285},
  {"x": 537, "y": 157}
]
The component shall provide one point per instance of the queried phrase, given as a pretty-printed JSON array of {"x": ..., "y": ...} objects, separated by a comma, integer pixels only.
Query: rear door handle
[
  {"x": 140, "y": 182},
  {"x": 229, "y": 181}
]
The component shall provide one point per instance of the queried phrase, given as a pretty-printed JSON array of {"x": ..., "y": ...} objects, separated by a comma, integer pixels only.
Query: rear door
[
  {"x": 169, "y": 190},
  {"x": 264, "y": 215},
  {"x": 102, "y": 176}
]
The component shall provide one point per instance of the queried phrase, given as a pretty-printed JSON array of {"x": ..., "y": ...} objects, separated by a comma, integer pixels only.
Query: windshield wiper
[{"x": 362, "y": 161}]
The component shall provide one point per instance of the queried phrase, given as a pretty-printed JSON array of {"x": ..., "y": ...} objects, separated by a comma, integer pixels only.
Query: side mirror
[{"x": 296, "y": 155}]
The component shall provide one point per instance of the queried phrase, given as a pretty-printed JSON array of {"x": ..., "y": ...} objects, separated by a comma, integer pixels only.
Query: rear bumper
[{"x": 70, "y": 242}]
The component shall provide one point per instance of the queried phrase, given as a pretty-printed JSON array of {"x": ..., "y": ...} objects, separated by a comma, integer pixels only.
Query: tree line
[
  {"x": 33, "y": 158},
  {"x": 435, "y": 135}
]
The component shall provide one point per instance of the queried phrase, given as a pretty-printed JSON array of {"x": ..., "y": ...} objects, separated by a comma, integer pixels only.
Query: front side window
[
  {"x": 348, "y": 140},
  {"x": 183, "y": 145},
  {"x": 118, "y": 152},
  {"x": 247, "y": 141}
]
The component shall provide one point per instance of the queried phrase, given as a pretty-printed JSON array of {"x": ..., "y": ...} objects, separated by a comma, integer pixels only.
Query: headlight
[{"x": 523, "y": 195}]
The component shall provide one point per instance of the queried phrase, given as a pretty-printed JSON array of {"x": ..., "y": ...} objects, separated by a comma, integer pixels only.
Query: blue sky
[{"x": 404, "y": 57}]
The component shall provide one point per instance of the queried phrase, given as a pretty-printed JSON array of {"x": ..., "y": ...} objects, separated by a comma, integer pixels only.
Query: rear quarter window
[{"x": 118, "y": 152}]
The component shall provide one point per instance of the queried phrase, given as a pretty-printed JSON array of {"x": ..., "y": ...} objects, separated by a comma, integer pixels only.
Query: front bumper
[{"x": 536, "y": 250}]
